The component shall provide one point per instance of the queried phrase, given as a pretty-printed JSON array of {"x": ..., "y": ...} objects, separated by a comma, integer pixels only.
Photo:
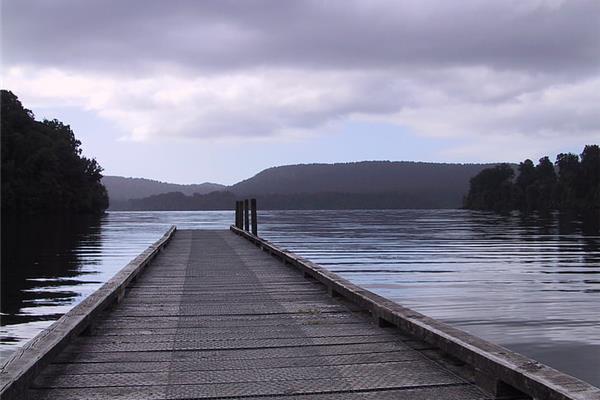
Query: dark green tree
[
  {"x": 43, "y": 170},
  {"x": 569, "y": 188},
  {"x": 590, "y": 172},
  {"x": 491, "y": 189},
  {"x": 545, "y": 185},
  {"x": 522, "y": 194}
]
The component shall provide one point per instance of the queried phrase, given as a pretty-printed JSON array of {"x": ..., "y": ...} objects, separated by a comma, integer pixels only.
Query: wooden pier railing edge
[
  {"x": 498, "y": 371},
  {"x": 21, "y": 368}
]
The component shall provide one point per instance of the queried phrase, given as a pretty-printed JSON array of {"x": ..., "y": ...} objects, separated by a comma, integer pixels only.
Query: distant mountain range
[
  {"x": 368, "y": 184},
  {"x": 122, "y": 189}
]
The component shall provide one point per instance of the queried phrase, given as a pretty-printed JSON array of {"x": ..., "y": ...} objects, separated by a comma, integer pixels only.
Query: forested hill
[
  {"x": 449, "y": 181},
  {"x": 122, "y": 189},
  {"x": 369, "y": 184},
  {"x": 43, "y": 170}
]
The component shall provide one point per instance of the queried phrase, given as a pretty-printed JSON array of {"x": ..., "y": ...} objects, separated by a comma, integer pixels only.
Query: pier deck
[
  {"x": 207, "y": 314},
  {"x": 214, "y": 317}
]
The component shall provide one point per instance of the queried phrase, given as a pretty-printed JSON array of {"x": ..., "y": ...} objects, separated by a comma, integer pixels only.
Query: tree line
[
  {"x": 43, "y": 170},
  {"x": 224, "y": 200},
  {"x": 571, "y": 182}
]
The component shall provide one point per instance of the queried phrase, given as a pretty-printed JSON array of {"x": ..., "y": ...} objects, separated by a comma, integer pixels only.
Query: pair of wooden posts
[{"x": 244, "y": 209}]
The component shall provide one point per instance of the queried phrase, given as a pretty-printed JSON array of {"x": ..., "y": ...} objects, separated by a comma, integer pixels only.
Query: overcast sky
[{"x": 192, "y": 91}]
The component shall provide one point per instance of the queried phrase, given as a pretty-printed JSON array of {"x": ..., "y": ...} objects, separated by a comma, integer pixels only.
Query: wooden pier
[{"x": 210, "y": 315}]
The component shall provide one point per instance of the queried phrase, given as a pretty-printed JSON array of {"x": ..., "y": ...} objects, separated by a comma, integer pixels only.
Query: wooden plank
[
  {"x": 326, "y": 389},
  {"x": 235, "y": 364},
  {"x": 202, "y": 345},
  {"x": 417, "y": 372},
  {"x": 73, "y": 355},
  {"x": 236, "y": 331}
]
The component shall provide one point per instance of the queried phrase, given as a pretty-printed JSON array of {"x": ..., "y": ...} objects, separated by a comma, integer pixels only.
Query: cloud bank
[{"x": 268, "y": 69}]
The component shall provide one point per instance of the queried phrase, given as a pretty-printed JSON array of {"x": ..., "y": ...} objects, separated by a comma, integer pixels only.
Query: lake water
[{"x": 529, "y": 283}]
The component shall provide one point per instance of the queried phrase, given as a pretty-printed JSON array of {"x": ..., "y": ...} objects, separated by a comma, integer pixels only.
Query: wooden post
[
  {"x": 240, "y": 223},
  {"x": 246, "y": 215},
  {"x": 254, "y": 221},
  {"x": 237, "y": 214}
]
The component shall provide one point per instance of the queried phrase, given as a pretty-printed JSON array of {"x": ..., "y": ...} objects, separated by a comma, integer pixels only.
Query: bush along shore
[{"x": 572, "y": 182}]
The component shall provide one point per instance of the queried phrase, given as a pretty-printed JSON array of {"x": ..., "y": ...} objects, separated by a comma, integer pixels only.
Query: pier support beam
[
  {"x": 246, "y": 215},
  {"x": 241, "y": 216},
  {"x": 254, "y": 221},
  {"x": 237, "y": 214},
  {"x": 498, "y": 389}
]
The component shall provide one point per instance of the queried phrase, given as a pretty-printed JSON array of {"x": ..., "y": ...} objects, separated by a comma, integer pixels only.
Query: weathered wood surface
[{"x": 212, "y": 317}]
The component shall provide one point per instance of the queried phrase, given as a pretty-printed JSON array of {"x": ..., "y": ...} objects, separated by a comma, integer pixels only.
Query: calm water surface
[{"x": 531, "y": 283}]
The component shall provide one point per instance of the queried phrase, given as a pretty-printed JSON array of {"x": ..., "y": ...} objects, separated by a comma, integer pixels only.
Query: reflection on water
[
  {"x": 40, "y": 261},
  {"x": 531, "y": 283}
]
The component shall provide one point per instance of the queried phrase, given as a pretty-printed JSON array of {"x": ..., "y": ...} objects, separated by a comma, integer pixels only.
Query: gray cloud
[
  {"x": 255, "y": 68},
  {"x": 525, "y": 35}
]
